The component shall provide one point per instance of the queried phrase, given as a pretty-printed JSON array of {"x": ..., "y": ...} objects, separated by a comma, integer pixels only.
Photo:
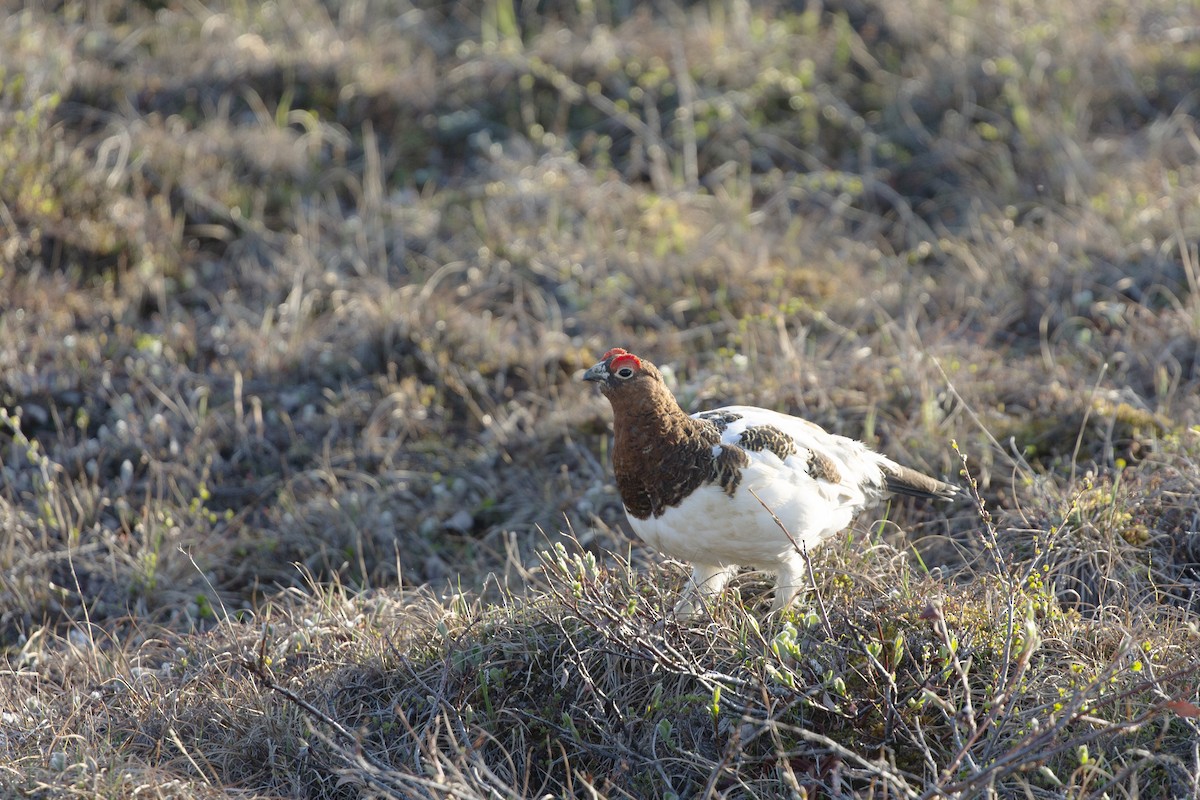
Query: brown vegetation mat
[{"x": 294, "y": 299}]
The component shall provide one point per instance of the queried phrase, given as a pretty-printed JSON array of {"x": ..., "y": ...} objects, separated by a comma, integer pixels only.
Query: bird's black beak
[{"x": 598, "y": 373}]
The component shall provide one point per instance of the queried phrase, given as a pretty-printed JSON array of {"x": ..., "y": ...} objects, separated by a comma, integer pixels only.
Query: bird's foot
[{"x": 691, "y": 608}]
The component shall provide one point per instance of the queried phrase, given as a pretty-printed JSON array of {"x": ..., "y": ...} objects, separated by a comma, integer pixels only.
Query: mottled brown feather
[
  {"x": 768, "y": 437},
  {"x": 722, "y": 419},
  {"x": 822, "y": 468}
]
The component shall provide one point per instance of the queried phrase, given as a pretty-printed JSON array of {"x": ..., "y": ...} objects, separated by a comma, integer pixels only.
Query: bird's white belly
[{"x": 712, "y": 527}]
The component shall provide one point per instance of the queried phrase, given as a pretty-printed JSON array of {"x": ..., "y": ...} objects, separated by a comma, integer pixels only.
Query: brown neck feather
[
  {"x": 649, "y": 414},
  {"x": 660, "y": 454}
]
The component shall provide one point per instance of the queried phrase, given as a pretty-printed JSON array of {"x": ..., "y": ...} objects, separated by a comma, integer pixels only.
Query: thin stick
[
  {"x": 803, "y": 551},
  {"x": 1087, "y": 413}
]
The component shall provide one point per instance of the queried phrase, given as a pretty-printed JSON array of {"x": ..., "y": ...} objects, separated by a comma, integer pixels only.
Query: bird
[{"x": 739, "y": 485}]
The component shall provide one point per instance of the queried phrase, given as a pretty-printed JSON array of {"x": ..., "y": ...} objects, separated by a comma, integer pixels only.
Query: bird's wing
[{"x": 844, "y": 470}]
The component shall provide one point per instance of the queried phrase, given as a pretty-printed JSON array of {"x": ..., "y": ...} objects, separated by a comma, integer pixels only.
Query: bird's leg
[
  {"x": 791, "y": 579},
  {"x": 706, "y": 582}
]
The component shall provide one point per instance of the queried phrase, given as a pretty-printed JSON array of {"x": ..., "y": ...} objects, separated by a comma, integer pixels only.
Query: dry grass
[{"x": 295, "y": 297}]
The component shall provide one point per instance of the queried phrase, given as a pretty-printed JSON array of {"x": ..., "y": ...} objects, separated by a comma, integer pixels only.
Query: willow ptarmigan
[{"x": 689, "y": 483}]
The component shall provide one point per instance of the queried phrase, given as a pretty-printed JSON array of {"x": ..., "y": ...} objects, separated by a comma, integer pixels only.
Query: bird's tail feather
[{"x": 909, "y": 482}]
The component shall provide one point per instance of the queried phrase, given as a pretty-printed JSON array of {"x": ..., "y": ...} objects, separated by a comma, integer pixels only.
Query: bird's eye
[{"x": 625, "y": 372}]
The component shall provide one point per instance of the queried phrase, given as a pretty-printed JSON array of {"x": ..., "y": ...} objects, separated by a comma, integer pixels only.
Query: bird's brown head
[
  {"x": 623, "y": 377},
  {"x": 618, "y": 370}
]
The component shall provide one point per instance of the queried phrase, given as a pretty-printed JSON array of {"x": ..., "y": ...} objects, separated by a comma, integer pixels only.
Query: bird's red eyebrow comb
[
  {"x": 625, "y": 358},
  {"x": 616, "y": 351}
]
